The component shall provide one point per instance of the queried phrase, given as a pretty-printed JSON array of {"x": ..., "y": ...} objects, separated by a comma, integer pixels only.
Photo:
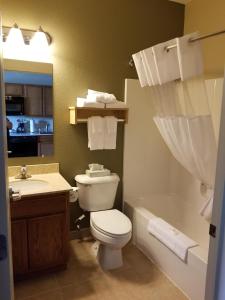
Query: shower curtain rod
[{"x": 191, "y": 40}]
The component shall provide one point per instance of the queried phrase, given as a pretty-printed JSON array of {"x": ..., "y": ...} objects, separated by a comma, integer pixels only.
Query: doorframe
[
  {"x": 6, "y": 273},
  {"x": 215, "y": 288}
]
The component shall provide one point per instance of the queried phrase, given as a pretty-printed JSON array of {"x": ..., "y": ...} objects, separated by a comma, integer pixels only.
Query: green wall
[{"x": 92, "y": 43}]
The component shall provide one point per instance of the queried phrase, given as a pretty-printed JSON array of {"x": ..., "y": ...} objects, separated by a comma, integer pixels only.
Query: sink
[{"x": 25, "y": 185}]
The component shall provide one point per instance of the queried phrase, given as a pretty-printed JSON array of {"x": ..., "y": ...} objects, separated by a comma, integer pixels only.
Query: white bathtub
[{"x": 190, "y": 277}]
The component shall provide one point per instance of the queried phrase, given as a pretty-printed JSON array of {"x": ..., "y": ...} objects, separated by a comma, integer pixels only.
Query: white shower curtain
[{"x": 184, "y": 121}]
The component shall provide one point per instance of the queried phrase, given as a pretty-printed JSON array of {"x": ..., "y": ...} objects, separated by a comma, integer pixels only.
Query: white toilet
[{"x": 109, "y": 226}]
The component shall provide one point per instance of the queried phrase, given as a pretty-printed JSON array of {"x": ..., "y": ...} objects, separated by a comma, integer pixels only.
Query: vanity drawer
[{"x": 40, "y": 205}]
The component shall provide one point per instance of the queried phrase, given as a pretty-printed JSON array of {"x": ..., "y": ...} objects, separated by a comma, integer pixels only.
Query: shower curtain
[{"x": 184, "y": 121}]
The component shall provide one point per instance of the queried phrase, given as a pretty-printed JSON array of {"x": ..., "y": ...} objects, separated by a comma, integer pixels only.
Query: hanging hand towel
[
  {"x": 189, "y": 56},
  {"x": 148, "y": 59},
  {"x": 110, "y": 132},
  {"x": 171, "y": 237},
  {"x": 96, "y": 128},
  {"x": 140, "y": 69},
  {"x": 166, "y": 62}
]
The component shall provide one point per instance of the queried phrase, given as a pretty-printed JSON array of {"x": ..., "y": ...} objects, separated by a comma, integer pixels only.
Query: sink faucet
[{"x": 23, "y": 173}]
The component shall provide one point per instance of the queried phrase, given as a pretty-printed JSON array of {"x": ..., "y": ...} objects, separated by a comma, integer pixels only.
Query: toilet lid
[{"x": 111, "y": 221}]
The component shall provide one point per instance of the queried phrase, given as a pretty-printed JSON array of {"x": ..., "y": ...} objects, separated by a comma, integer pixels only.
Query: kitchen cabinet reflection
[{"x": 29, "y": 111}]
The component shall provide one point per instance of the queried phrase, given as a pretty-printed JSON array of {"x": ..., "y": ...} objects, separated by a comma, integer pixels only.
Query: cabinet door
[
  {"x": 33, "y": 101},
  {"x": 12, "y": 89},
  {"x": 48, "y": 101},
  {"x": 19, "y": 247},
  {"x": 48, "y": 241}
]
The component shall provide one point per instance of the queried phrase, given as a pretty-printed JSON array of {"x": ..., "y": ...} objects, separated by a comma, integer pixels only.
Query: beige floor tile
[
  {"x": 77, "y": 273},
  {"x": 52, "y": 295},
  {"x": 138, "y": 279},
  {"x": 31, "y": 287}
]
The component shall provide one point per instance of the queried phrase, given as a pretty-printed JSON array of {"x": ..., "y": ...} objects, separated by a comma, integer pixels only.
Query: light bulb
[
  {"x": 14, "y": 45},
  {"x": 15, "y": 37},
  {"x": 39, "y": 46}
]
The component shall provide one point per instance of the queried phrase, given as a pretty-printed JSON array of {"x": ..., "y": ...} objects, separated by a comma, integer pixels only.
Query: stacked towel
[
  {"x": 102, "y": 133},
  {"x": 171, "y": 237},
  {"x": 95, "y": 96},
  {"x": 189, "y": 56},
  {"x": 117, "y": 104},
  {"x": 83, "y": 102}
]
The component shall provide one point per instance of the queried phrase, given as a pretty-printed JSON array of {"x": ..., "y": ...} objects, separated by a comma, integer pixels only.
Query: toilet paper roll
[{"x": 74, "y": 194}]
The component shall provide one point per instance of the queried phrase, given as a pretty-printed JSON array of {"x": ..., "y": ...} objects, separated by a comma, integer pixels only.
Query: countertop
[
  {"x": 30, "y": 134},
  {"x": 55, "y": 183}
]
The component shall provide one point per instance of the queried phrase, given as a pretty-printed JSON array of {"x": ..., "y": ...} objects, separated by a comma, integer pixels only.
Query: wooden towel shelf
[{"x": 81, "y": 114}]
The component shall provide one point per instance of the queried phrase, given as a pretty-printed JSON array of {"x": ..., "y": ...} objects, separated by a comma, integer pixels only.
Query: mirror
[{"x": 29, "y": 108}]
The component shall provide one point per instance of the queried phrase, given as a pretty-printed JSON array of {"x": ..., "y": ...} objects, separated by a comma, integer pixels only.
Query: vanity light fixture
[
  {"x": 27, "y": 34},
  {"x": 26, "y": 44}
]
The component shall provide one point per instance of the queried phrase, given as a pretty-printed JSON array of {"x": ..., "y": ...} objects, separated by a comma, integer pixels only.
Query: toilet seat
[{"x": 112, "y": 223}]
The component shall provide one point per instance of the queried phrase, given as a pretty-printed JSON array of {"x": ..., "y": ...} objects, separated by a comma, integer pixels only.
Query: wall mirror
[{"x": 29, "y": 108}]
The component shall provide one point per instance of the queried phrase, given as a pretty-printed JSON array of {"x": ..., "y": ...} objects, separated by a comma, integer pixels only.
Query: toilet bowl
[
  {"x": 110, "y": 227},
  {"x": 113, "y": 231}
]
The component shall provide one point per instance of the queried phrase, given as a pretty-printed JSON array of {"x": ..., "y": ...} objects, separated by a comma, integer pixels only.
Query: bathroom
[{"x": 91, "y": 48}]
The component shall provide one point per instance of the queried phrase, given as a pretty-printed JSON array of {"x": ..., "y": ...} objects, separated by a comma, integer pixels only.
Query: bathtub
[{"x": 190, "y": 277}]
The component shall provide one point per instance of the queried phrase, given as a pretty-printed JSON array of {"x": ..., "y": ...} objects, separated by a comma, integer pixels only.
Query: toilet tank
[{"x": 97, "y": 193}]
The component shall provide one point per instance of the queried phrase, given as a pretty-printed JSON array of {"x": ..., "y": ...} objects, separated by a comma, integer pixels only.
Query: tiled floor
[{"x": 84, "y": 279}]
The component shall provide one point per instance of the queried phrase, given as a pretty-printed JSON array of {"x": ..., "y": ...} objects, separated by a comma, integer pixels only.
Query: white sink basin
[{"x": 28, "y": 184}]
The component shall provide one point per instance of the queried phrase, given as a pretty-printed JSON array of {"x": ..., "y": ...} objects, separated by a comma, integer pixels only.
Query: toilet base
[{"x": 109, "y": 258}]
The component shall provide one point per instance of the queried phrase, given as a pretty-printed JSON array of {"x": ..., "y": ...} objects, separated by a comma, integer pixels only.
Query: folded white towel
[
  {"x": 117, "y": 104},
  {"x": 166, "y": 62},
  {"x": 171, "y": 237},
  {"x": 96, "y": 129},
  {"x": 189, "y": 56},
  {"x": 83, "y": 102},
  {"x": 140, "y": 69},
  {"x": 110, "y": 132},
  {"x": 95, "y": 96},
  {"x": 146, "y": 69},
  {"x": 148, "y": 59}
]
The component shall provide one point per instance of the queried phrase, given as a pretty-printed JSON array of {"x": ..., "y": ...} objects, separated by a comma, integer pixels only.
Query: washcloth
[
  {"x": 166, "y": 62},
  {"x": 148, "y": 59},
  {"x": 110, "y": 132},
  {"x": 189, "y": 56},
  {"x": 175, "y": 240},
  {"x": 96, "y": 129},
  {"x": 83, "y": 102},
  {"x": 140, "y": 69}
]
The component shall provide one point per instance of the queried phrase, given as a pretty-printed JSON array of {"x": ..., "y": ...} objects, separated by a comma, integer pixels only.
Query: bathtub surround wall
[
  {"x": 208, "y": 16},
  {"x": 162, "y": 186},
  {"x": 92, "y": 44}
]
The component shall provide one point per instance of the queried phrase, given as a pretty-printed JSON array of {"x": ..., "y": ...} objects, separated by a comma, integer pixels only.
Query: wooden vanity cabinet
[{"x": 40, "y": 233}]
